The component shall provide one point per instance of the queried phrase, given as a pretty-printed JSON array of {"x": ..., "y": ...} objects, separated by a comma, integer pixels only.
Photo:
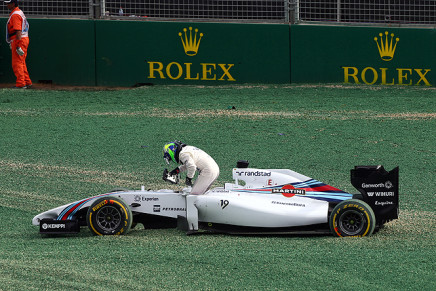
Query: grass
[{"x": 61, "y": 146}]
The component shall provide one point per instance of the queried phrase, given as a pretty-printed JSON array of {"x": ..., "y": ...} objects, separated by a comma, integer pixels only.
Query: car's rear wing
[{"x": 379, "y": 189}]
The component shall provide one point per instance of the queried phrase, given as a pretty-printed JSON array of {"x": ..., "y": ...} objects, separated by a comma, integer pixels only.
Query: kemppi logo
[{"x": 52, "y": 226}]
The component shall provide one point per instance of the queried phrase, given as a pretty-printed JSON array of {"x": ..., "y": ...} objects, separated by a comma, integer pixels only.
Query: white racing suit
[{"x": 193, "y": 159}]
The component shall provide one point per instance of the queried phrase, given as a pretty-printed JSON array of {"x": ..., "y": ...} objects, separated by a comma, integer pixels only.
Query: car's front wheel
[
  {"x": 109, "y": 216},
  {"x": 352, "y": 218}
]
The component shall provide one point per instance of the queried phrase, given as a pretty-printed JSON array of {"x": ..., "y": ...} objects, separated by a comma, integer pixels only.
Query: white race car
[{"x": 267, "y": 201}]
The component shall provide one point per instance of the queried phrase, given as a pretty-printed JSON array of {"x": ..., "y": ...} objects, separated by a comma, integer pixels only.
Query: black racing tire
[
  {"x": 352, "y": 218},
  {"x": 109, "y": 216}
]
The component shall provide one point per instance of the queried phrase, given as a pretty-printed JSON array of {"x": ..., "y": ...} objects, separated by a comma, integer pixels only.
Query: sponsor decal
[
  {"x": 139, "y": 198},
  {"x": 204, "y": 71},
  {"x": 173, "y": 209},
  {"x": 99, "y": 205},
  {"x": 381, "y": 194},
  {"x": 156, "y": 208},
  {"x": 221, "y": 191},
  {"x": 289, "y": 191},
  {"x": 255, "y": 174},
  {"x": 53, "y": 226},
  {"x": 387, "y": 185},
  {"x": 386, "y": 45},
  {"x": 383, "y": 203},
  {"x": 288, "y": 203}
]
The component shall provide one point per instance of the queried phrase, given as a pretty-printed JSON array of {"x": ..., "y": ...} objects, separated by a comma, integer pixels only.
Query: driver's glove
[{"x": 175, "y": 172}]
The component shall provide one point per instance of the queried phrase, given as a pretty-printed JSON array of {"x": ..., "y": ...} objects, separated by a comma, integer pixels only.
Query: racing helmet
[{"x": 172, "y": 150}]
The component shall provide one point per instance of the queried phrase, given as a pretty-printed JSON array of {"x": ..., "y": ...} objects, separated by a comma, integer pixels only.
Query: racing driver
[{"x": 192, "y": 159}]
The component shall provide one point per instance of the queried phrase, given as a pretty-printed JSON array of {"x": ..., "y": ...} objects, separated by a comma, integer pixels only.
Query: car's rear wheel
[
  {"x": 109, "y": 216},
  {"x": 352, "y": 218}
]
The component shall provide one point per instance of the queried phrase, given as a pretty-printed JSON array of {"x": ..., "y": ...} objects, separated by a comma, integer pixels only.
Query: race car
[{"x": 259, "y": 201}]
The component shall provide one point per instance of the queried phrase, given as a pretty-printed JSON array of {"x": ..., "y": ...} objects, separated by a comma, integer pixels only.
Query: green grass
[{"x": 61, "y": 146}]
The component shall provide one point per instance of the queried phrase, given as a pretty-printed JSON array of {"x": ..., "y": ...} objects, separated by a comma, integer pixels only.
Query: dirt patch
[
  {"x": 407, "y": 115},
  {"x": 255, "y": 115},
  {"x": 72, "y": 173},
  {"x": 41, "y": 86},
  {"x": 413, "y": 222},
  {"x": 48, "y": 86}
]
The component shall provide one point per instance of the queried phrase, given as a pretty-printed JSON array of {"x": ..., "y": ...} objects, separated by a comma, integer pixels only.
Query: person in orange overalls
[{"x": 17, "y": 35}]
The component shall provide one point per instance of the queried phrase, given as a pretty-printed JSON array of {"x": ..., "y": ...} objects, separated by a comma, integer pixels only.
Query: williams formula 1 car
[{"x": 259, "y": 201}]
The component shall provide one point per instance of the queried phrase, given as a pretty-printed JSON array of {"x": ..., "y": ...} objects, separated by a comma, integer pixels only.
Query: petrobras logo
[
  {"x": 387, "y": 185},
  {"x": 254, "y": 173},
  {"x": 53, "y": 226}
]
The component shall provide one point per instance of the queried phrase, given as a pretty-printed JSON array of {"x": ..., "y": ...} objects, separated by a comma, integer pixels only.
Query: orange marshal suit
[{"x": 17, "y": 22}]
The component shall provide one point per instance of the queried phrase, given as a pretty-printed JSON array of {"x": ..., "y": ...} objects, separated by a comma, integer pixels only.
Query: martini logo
[
  {"x": 386, "y": 43},
  {"x": 182, "y": 70},
  {"x": 386, "y": 49},
  {"x": 190, "y": 44},
  {"x": 289, "y": 191}
]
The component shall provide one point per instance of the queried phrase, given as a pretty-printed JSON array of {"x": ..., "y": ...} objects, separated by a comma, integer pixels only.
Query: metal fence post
[
  {"x": 94, "y": 9},
  {"x": 296, "y": 11},
  {"x": 102, "y": 8},
  {"x": 91, "y": 9},
  {"x": 287, "y": 10}
]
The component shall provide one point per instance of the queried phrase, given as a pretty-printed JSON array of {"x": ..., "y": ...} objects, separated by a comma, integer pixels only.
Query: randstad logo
[
  {"x": 190, "y": 44},
  {"x": 190, "y": 71},
  {"x": 386, "y": 44},
  {"x": 386, "y": 48}
]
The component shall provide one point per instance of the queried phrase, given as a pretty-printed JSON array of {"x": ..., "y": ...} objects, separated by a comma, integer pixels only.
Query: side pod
[{"x": 379, "y": 189}]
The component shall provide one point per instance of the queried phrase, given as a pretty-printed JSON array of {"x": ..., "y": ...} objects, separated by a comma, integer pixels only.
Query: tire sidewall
[
  {"x": 353, "y": 207},
  {"x": 102, "y": 203}
]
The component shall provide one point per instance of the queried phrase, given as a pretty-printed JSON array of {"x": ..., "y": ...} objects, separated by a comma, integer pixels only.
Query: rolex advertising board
[
  {"x": 131, "y": 52},
  {"x": 126, "y": 53},
  {"x": 363, "y": 55}
]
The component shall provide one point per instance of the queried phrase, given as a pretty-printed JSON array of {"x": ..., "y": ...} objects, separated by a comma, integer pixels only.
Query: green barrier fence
[
  {"x": 125, "y": 53},
  {"x": 363, "y": 55},
  {"x": 60, "y": 51},
  {"x": 191, "y": 53}
]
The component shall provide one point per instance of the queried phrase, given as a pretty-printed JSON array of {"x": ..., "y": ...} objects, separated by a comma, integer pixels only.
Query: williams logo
[
  {"x": 188, "y": 71},
  {"x": 190, "y": 44},
  {"x": 386, "y": 43},
  {"x": 386, "y": 48}
]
